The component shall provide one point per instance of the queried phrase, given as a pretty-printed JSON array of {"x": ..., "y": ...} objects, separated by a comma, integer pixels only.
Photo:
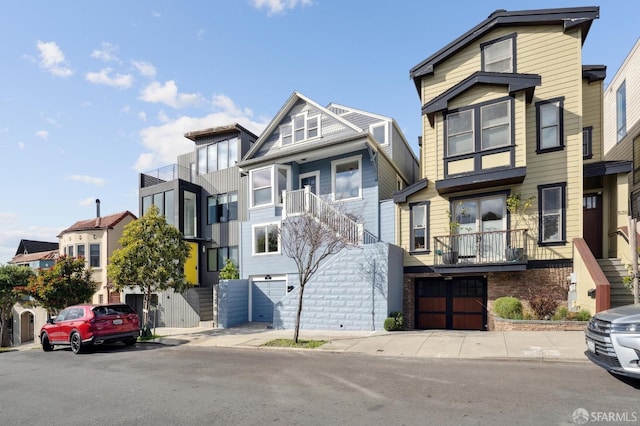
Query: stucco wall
[{"x": 233, "y": 303}]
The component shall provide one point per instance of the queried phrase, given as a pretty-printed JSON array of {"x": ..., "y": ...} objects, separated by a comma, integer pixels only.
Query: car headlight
[{"x": 625, "y": 328}]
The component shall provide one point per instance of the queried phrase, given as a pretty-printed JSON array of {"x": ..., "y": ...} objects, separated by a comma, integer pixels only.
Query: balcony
[
  {"x": 481, "y": 252},
  {"x": 166, "y": 174}
]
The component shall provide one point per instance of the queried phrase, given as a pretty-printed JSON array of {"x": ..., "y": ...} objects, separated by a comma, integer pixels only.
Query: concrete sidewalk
[{"x": 567, "y": 346}]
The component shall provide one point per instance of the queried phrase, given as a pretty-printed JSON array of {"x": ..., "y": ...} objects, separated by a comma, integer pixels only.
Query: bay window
[{"x": 264, "y": 182}]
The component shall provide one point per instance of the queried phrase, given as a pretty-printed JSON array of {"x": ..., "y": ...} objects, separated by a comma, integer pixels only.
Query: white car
[{"x": 613, "y": 340}]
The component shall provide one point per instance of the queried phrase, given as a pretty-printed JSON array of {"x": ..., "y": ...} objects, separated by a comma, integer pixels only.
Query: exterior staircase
[
  {"x": 615, "y": 271},
  {"x": 205, "y": 297}
]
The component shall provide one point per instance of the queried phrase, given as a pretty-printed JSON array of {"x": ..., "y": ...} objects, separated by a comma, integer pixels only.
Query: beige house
[
  {"x": 95, "y": 239},
  {"x": 509, "y": 113}
]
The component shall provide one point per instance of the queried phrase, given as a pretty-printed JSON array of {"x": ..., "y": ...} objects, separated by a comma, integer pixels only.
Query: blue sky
[{"x": 93, "y": 93}]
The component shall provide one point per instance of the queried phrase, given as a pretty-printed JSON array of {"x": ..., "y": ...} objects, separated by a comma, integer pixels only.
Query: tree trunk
[
  {"x": 297, "y": 329},
  {"x": 4, "y": 326},
  {"x": 146, "y": 310}
]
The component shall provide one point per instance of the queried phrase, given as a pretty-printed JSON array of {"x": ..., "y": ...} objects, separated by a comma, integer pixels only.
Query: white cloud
[
  {"x": 104, "y": 77},
  {"x": 52, "y": 59},
  {"x": 126, "y": 109},
  {"x": 107, "y": 53},
  {"x": 87, "y": 201},
  {"x": 200, "y": 34},
  {"x": 144, "y": 68},
  {"x": 42, "y": 134},
  {"x": 165, "y": 142},
  {"x": 86, "y": 104},
  {"x": 21, "y": 145},
  {"x": 163, "y": 117},
  {"x": 142, "y": 116},
  {"x": 10, "y": 236},
  {"x": 87, "y": 179},
  {"x": 156, "y": 14},
  {"x": 49, "y": 120},
  {"x": 279, "y": 6},
  {"x": 168, "y": 94},
  {"x": 8, "y": 217}
]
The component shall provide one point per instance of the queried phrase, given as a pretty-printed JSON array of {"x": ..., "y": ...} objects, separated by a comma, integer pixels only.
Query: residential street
[{"x": 153, "y": 384}]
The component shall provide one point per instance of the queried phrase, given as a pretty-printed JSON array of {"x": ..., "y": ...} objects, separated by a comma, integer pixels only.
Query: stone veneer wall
[
  {"x": 517, "y": 284},
  {"x": 501, "y": 324}
]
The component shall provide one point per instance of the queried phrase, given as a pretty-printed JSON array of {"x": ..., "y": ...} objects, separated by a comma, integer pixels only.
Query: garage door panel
[
  {"x": 432, "y": 304},
  {"x": 436, "y": 321},
  {"x": 264, "y": 295},
  {"x": 458, "y": 303},
  {"x": 468, "y": 322},
  {"x": 467, "y": 304}
]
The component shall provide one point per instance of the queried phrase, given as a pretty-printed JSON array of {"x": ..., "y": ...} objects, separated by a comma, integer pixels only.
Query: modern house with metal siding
[
  {"x": 504, "y": 115},
  {"x": 202, "y": 196},
  {"x": 338, "y": 156}
]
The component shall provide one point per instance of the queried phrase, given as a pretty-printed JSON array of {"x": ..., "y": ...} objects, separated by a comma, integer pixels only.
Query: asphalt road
[{"x": 156, "y": 385}]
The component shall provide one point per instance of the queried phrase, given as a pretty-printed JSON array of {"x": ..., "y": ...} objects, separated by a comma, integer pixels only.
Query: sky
[{"x": 94, "y": 93}]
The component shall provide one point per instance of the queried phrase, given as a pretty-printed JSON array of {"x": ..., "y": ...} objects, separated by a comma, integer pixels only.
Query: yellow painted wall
[{"x": 592, "y": 116}]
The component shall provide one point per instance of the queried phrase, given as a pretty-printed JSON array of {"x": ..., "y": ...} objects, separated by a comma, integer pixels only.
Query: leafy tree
[
  {"x": 12, "y": 277},
  {"x": 152, "y": 258},
  {"x": 308, "y": 241},
  {"x": 230, "y": 271},
  {"x": 68, "y": 282}
]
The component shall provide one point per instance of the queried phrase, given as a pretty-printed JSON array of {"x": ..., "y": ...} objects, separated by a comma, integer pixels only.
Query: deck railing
[
  {"x": 303, "y": 201},
  {"x": 507, "y": 246},
  {"x": 167, "y": 174}
]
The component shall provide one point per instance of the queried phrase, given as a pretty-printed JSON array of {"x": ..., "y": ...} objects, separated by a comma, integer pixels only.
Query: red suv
[{"x": 81, "y": 326}]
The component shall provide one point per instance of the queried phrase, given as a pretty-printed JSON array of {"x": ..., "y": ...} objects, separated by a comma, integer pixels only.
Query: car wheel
[
  {"x": 46, "y": 346},
  {"x": 76, "y": 343},
  {"x": 130, "y": 342}
]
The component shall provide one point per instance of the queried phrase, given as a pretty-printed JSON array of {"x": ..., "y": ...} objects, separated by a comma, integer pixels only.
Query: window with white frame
[
  {"x": 494, "y": 130},
  {"x": 267, "y": 180},
  {"x": 551, "y": 206},
  {"x": 379, "y": 132},
  {"x": 347, "y": 178},
  {"x": 301, "y": 128},
  {"x": 549, "y": 136},
  {"x": 419, "y": 230},
  {"x": 621, "y": 110},
  {"x": 70, "y": 251},
  {"x": 498, "y": 55},
  {"x": 265, "y": 239}
]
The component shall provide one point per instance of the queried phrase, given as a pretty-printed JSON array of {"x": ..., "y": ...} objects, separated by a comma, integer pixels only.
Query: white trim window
[
  {"x": 266, "y": 239},
  {"x": 301, "y": 128},
  {"x": 263, "y": 187},
  {"x": 346, "y": 178},
  {"x": 380, "y": 132}
]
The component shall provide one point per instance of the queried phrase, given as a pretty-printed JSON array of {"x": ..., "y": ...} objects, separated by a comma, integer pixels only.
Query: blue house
[{"x": 334, "y": 156}]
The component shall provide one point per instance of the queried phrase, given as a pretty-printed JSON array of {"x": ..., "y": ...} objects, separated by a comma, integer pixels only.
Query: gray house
[
  {"x": 330, "y": 156},
  {"x": 201, "y": 195}
]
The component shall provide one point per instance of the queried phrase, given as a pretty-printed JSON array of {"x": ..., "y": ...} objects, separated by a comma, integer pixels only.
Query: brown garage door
[{"x": 452, "y": 304}]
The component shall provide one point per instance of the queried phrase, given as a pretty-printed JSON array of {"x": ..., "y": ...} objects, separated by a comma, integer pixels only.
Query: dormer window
[
  {"x": 301, "y": 128},
  {"x": 379, "y": 132},
  {"x": 499, "y": 55}
]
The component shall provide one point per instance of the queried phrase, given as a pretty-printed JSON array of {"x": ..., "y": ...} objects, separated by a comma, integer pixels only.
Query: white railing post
[
  {"x": 360, "y": 233},
  {"x": 284, "y": 204},
  {"x": 307, "y": 198}
]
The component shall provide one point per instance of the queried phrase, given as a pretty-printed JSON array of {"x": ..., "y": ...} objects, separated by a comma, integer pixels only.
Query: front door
[
  {"x": 481, "y": 225},
  {"x": 592, "y": 223},
  {"x": 451, "y": 304},
  {"x": 310, "y": 180}
]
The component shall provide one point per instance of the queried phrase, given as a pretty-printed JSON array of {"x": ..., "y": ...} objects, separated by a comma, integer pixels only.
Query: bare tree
[{"x": 309, "y": 239}]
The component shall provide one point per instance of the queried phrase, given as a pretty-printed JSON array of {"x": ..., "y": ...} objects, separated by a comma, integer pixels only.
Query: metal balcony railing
[
  {"x": 303, "y": 201},
  {"x": 167, "y": 174},
  {"x": 477, "y": 248}
]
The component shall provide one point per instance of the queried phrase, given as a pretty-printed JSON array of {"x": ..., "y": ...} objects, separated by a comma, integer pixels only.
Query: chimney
[{"x": 97, "y": 207}]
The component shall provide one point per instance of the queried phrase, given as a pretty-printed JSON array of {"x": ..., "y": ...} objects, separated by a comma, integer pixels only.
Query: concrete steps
[
  {"x": 615, "y": 271},
  {"x": 205, "y": 298}
]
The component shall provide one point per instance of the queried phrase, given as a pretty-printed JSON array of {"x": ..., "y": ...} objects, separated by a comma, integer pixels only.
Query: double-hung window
[
  {"x": 499, "y": 55},
  {"x": 419, "y": 227},
  {"x": 264, "y": 182},
  {"x": 493, "y": 130},
  {"x": 265, "y": 239},
  {"x": 621, "y": 111},
  {"x": 80, "y": 249},
  {"x": 94, "y": 255},
  {"x": 549, "y": 119},
  {"x": 299, "y": 129},
  {"x": 552, "y": 214}
]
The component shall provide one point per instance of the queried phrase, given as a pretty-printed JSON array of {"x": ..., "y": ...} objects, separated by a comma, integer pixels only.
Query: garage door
[
  {"x": 264, "y": 294},
  {"x": 452, "y": 304}
]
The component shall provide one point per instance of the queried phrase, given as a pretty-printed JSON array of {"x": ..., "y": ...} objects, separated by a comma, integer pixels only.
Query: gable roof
[
  {"x": 32, "y": 246},
  {"x": 295, "y": 97},
  {"x": 101, "y": 222},
  {"x": 568, "y": 17},
  {"x": 30, "y": 257}
]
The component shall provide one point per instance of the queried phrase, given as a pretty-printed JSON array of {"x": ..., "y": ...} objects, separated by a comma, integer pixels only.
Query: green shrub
[
  {"x": 582, "y": 315},
  {"x": 561, "y": 314},
  {"x": 508, "y": 307},
  {"x": 394, "y": 322}
]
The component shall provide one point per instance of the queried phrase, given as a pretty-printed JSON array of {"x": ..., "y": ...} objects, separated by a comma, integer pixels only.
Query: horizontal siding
[{"x": 592, "y": 116}]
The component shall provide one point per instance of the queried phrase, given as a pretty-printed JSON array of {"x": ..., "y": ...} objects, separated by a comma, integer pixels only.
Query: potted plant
[
  {"x": 517, "y": 207},
  {"x": 449, "y": 252}
]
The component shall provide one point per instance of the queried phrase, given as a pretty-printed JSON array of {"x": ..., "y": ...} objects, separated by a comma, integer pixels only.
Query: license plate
[
  {"x": 591, "y": 346},
  {"x": 117, "y": 321}
]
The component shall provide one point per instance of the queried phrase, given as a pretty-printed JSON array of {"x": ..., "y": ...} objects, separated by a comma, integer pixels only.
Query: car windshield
[{"x": 112, "y": 310}]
